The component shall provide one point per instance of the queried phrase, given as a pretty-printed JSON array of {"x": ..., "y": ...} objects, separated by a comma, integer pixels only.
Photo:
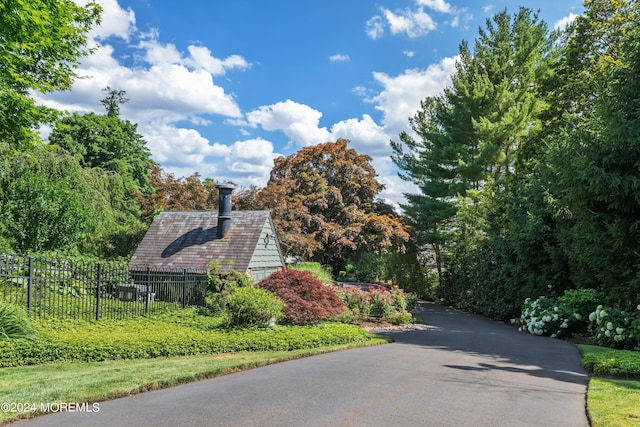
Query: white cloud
[
  {"x": 375, "y": 27},
  {"x": 201, "y": 58},
  {"x": 339, "y": 57},
  {"x": 565, "y": 22},
  {"x": 115, "y": 21},
  {"x": 409, "y": 53},
  {"x": 412, "y": 23},
  {"x": 365, "y": 135},
  {"x": 298, "y": 121},
  {"x": 179, "y": 147},
  {"x": 250, "y": 161},
  {"x": 437, "y": 5},
  {"x": 401, "y": 95}
]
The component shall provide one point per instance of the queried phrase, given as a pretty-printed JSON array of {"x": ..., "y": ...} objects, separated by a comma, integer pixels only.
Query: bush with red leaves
[{"x": 307, "y": 300}]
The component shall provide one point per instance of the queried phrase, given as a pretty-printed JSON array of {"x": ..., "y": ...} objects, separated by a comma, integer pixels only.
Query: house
[{"x": 244, "y": 241}]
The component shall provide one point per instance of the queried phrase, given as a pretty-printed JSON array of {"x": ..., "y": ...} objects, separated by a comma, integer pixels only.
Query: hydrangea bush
[
  {"x": 544, "y": 316},
  {"x": 567, "y": 316},
  {"x": 616, "y": 328}
]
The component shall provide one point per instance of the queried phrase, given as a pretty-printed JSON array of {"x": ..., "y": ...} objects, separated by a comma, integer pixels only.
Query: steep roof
[{"x": 187, "y": 239}]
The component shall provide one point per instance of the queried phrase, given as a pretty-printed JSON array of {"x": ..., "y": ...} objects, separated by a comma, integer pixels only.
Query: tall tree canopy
[
  {"x": 594, "y": 157},
  {"x": 469, "y": 138},
  {"x": 107, "y": 142},
  {"x": 41, "y": 42},
  {"x": 323, "y": 200}
]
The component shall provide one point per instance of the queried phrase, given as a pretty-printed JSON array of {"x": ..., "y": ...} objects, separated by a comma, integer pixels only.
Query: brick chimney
[{"x": 224, "y": 208}]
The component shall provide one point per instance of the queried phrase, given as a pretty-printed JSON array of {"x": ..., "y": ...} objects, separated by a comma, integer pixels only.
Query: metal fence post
[
  {"x": 99, "y": 281},
  {"x": 30, "y": 287},
  {"x": 146, "y": 305},
  {"x": 184, "y": 287}
]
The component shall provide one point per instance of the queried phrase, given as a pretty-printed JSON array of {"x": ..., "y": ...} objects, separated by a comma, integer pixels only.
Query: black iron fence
[{"x": 63, "y": 288}]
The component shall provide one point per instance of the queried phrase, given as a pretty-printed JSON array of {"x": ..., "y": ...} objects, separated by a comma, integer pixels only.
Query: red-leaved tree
[{"x": 307, "y": 300}]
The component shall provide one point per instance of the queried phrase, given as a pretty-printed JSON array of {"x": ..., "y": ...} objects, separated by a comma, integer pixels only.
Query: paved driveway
[{"x": 462, "y": 371}]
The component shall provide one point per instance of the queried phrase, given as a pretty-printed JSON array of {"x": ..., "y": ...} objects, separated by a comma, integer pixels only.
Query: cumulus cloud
[
  {"x": 339, "y": 57},
  {"x": 437, "y": 5},
  {"x": 375, "y": 27},
  {"x": 115, "y": 21},
  {"x": 412, "y": 23},
  {"x": 565, "y": 22},
  {"x": 365, "y": 134},
  {"x": 298, "y": 121},
  {"x": 401, "y": 95},
  {"x": 179, "y": 147}
]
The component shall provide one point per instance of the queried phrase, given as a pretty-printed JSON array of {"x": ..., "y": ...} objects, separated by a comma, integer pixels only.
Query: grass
[
  {"x": 611, "y": 401},
  {"x": 99, "y": 381},
  {"x": 96, "y": 361}
]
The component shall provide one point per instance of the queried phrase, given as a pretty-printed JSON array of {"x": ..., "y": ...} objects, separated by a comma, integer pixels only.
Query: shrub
[
  {"x": 253, "y": 307},
  {"x": 544, "y": 316},
  {"x": 356, "y": 300},
  {"x": 307, "y": 300},
  {"x": 221, "y": 284},
  {"x": 322, "y": 273},
  {"x": 615, "y": 328},
  {"x": 391, "y": 305},
  {"x": 579, "y": 303},
  {"x": 15, "y": 323}
]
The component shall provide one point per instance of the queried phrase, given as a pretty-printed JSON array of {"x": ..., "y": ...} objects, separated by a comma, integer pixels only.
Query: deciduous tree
[
  {"x": 323, "y": 200},
  {"x": 41, "y": 42}
]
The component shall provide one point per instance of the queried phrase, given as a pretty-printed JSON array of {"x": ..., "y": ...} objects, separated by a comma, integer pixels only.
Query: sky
[{"x": 222, "y": 87}]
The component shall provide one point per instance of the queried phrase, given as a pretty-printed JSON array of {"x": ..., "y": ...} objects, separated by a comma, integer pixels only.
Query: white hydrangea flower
[
  {"x": 577, "y": 316},
  {"x": 592, "y": 316},
  {"x": 607, "y": 333},
  {"x": 610, "y": 326},
  {"x": 619, "y": 330}
]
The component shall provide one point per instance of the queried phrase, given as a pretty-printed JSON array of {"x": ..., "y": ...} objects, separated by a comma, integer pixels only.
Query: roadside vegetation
[{"x": 613, "y": 398}]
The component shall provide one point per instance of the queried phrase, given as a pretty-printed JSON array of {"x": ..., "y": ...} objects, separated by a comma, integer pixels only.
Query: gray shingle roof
[{"x": 187, "y": 239}]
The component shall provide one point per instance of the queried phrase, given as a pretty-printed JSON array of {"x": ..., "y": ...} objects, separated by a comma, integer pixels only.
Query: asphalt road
[{"x": 462, "y": 371}]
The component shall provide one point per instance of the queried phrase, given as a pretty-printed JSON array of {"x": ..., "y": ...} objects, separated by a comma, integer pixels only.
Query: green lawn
[
  {"x": 612, "y": 402},
  {"x": 85, "y": 362},
  {"x": 98, "y": 381}
]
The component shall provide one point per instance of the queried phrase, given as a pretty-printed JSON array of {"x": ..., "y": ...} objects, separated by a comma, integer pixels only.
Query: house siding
[{"x": 267, "y": 257}]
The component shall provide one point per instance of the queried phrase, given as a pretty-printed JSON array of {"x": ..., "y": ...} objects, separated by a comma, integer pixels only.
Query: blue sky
[{"x": 222, "y": 87}]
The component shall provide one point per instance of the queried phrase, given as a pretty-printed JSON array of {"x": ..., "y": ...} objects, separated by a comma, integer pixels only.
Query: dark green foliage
[
  {"x": 42, "y": 213},
  {"x": 250, "y": 306},
  {"x": 307, "y": 300},
  {"x": 107, "y": 142},
  {"x": 16, "y": 324},
  {"x": 595, "y": 161}
]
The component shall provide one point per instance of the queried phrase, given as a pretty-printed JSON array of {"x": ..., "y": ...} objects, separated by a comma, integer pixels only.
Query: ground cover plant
[
  {"x": 612, "y": 401},
  {"x": 167, "y": 335}
]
